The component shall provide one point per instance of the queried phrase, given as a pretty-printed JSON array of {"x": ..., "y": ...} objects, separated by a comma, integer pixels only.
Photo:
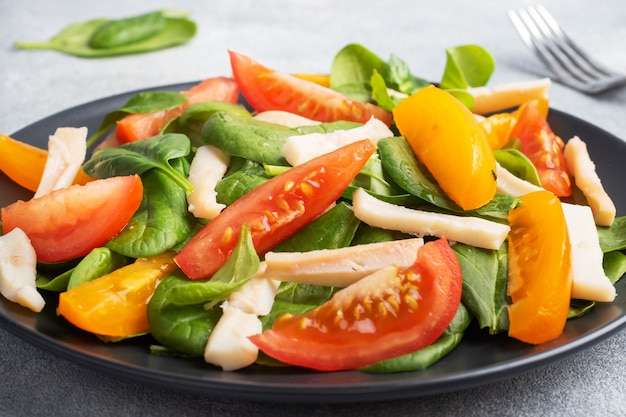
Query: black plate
[{"x": 479, "y": 359}]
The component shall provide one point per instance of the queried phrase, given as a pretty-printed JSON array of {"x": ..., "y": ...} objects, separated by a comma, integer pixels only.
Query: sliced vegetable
[
  {"x": 540, "y": 274},
  {"x": 139, "y": 126},
  {"x": 448, "y": 140},
  {"x": 386, "y": 314},
  {"x": 57, "y": 223},
  {"x": 115, "y": 305},
  {"x": 268, "y": 89},
  {"x": 543, "y": 147},
  {"x": 22, "y": 162},
  {"x": 276, "y": 209}
]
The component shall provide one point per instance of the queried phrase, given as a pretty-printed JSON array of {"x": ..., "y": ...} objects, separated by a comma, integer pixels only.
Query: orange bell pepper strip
[{"x": 116, "y": 305}]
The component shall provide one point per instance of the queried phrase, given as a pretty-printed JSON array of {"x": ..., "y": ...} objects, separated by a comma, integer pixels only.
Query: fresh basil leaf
[
  {"x": 140, "y": 156},
  {"x": 484, "y": 285}
]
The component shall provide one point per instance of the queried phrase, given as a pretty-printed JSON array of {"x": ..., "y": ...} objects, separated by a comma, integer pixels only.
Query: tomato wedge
[
  {"x": 276, "y": 209},
  {"x": 139, "y": 126},
  {"x": 268, "y": 89},
  {"x": 382, "y": 316},
  {"x": 449, "y": 141},
  {"x": 540, "y": 279},
  {"x": 70, "y": 222},
  {"x": 543, "y": 147},
  {"x": 115, "y": 305}
]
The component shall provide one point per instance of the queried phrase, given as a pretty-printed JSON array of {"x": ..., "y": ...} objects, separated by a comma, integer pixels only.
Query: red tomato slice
[
  {"x": 377, "y": 318},
  {"x": 70, "y": 222},
  {"x": 276, "y": 209},
  {"x": 267, "y": 89},
  {"x": 543, "y": 147},
  {"x": 139, "y": 126}
]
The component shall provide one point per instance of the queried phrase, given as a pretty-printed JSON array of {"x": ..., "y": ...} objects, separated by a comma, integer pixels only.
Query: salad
[{"x": 360, "y": 220}]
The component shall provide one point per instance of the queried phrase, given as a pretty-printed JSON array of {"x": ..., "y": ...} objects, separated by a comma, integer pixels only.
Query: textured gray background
[{"x": 299, "y": 36}]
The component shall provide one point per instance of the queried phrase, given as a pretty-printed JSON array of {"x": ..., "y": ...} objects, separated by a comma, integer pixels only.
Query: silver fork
[{"x": 571, "y": 65}]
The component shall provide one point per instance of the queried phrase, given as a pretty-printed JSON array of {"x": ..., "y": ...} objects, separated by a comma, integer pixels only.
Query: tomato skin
[
  {"x": 268, "y": 89},
  {"x": 276, "y": 209},
  {"x": 543, "y": 147},
  {"x": 70, "y": 222},
  {"x": 139, "y": 126},
  {"x": 540, "y": 279},
  {"x": 374, "y": 319},
  {"x": 115, "y": 305}
]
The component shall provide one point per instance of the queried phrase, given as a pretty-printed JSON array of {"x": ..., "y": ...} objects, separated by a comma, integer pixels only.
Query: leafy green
[
  {"x": 76, "y": 38},
  {"x": 241, "y": 265},
  {"x": 127, "y": 30},
  {"x": 518, "y": 164},
  {"x": 242, "y": 177},
  {"x": 613, "y": 237},
  {"x": 352, "y": 69},
  {"x": 426, "y": 356},
  {"x": 97, "y": 263},
  {"x": 484, "y": 285},
  {"x": 614, "y": 264},
  {"x": 467, "y": 66},
  {"x": 161, "y": 221},
  {"x": 165, "y": 153}
]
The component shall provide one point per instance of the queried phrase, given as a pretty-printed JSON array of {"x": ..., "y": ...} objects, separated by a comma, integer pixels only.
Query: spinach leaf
[
  {"x": 373, "y": 178},
  {"x": 467, "y": 66},
  {"x": 484, "y": 285},
  {"x": 614, "y": 264},
  {"x": 579, "y": 308},
  {"x": 518, "y": 164},
  {"x": 367, "y": 234},
  {"x": 423, "y": 358},
  {"x": 242, "y": 177},
  {"x": 333, "y": 229},
  {"x": 144, "y": 102},
  {"x": 284, "y": 307},
  {"x": 161, "y": 221},
  {"x": 141, "y": 156},
  {"x": 241, "y": 265},
  {"x": 352, "y": 69},
  {"x": 399, "y": 77},
  {"x": 191, "y": 121},
  {"x": 613, "y": 237},
  {"x": 182, "y": 328},
  {"x": 97, "y": 263},
  {"x": 76, "y": 39},
  {"x": 55, "y": 283},
  {"x": 247, "y": 138}
]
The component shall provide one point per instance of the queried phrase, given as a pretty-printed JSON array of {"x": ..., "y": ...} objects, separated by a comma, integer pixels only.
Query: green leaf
[
  {"x": 160, "y": 223},
  {"x": 398, "y": 76},
  {"x": 484, "y": 285},
  {"x": 518, "y": 164},
  {"x": 97, "y": 263},
  {"x": 380, "y": 92},
  {"x": 352, "y": 70},
  {"x": 242, "y": 177},
  {"x": 467, "y": 66},
  {"x": 242, "y": 264},
  {"x": 182, "y": 328},
  {"x": 75, "y": 39},
  {"x": 614, "y": 264},
  {"x": 613, "y": 237},
  {"x": 158, "y": 152}
]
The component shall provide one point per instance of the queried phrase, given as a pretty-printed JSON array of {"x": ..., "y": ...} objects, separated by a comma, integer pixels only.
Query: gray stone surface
[{"x": 299, "y": 36}]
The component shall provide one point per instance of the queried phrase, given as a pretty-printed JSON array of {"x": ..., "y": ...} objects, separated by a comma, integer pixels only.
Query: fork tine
[
  {"x": 571, "y": 65},
  {"x": 584, "y": 65},
  {"x": 534, "y": 40}
]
